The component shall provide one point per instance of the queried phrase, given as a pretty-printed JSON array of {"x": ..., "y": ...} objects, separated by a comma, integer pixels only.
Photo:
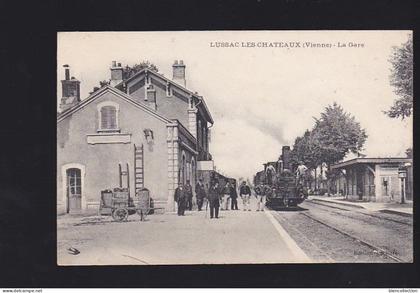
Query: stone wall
[{"x": 100, "y": 160}]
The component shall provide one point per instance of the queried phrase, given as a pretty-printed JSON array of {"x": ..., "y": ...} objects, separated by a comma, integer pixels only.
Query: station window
[{"x": 108, "y": 117}]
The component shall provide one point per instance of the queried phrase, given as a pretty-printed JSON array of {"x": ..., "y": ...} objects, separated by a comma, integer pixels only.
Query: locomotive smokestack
[{"x": 285, "y": 155}]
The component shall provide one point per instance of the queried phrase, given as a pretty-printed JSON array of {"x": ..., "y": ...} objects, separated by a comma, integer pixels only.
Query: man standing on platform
[
  {"x": 226, "y": 196},
  {"x": 214, "y": 199},
  {"x": 200, "y": 193},
  {"x": 233, "y": 197},
  {"x": 259, "y": 191},
  {"x": 189, "y": 194},
  {"x": 181, "y": 199},
  {"x": 261, "y": 194},
  {"x": 245, "y": 194}
]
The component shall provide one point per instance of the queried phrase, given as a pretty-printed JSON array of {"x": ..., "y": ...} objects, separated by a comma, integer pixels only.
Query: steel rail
[
  {"x": 370, "y": 245},
  {"x": 283, "y": 221},
  {"x": 355, "y": 210}
]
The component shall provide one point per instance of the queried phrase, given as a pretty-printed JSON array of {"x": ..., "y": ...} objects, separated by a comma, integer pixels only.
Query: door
[{"x": 74, "y": 190}]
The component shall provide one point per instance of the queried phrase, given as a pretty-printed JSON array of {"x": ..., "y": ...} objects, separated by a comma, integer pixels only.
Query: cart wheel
[{"x": 120, "y": 214}]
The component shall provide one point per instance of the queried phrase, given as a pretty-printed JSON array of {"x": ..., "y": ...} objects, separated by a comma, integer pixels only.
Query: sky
[{"x": 263, "y": 88}]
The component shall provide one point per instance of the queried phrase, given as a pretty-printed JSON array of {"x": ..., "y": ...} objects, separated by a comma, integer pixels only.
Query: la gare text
[{"x": 285, "y": 45}]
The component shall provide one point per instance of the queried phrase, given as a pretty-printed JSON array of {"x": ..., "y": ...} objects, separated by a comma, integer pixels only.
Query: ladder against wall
[{"x": 138, "y": 168}]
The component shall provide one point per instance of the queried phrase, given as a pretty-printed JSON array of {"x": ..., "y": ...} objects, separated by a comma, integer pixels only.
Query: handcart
[{"x": 118, "y": 203}]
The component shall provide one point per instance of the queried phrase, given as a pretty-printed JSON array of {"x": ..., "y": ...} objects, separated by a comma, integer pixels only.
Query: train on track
[
  {"x": 280, "y": 185},
  {"x": 286, "y": 191}
]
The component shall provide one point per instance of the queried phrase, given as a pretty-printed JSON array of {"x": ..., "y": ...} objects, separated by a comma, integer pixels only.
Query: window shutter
[
  {"x": 112, "y": 118},
  {"x": 108, "y": 117}
]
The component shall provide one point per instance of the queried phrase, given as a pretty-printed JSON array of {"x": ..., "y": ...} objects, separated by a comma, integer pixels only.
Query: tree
[
  {"x": 306, "y": 149},
  {"x": 103, "y": 83},
  {"x": 337, "y": 133},
  {"x": 334, "y": 135},
  {"x": 401, "y": 79},
  {"x": 129, "y": 71}
]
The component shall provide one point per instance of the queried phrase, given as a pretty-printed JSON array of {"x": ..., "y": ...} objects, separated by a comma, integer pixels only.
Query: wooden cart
[{"x": 119, "y": 205}]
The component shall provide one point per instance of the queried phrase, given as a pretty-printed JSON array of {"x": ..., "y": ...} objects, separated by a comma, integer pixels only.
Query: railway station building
[
  {"x": 374, "y": 179},
  {"x": 150, "y": 126}
]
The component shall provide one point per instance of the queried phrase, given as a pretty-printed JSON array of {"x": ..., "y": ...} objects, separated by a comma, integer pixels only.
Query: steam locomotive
[
  {"x": 281, "y": 187},
  {"x": 286, "y": 191}
]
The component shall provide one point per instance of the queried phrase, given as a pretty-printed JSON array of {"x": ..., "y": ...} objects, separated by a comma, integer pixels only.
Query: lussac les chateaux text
[{"x": 285, "y": 45}]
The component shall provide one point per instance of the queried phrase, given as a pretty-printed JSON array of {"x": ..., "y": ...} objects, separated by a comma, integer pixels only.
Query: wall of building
[
  {"x": 390, "y": 191},
  {"x": 360, "y": 183},
  {"x": 351, "y": 184},
  {"x": 100, "y": 161},
  {"x": 383, "y": 186},
  {"x": 188, "y": 171},
  {"x": 173, "y": 164}
]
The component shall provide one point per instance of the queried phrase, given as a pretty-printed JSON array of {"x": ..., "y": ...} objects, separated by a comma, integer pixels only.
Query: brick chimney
[
  {"x": 70, "y": 90},
  {"x": 179, "y": 72},
  {"x": 285, "y": 155},
  {"x": 116, "y": 73}
]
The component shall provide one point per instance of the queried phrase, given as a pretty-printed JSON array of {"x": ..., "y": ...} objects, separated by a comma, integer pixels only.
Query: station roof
[
  {"x": 371, "y": 161},
  {"x": 202, "y": 106}
]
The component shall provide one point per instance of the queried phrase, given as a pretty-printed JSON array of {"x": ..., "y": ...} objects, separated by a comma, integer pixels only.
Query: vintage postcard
[{"x": 234, "y": 147}]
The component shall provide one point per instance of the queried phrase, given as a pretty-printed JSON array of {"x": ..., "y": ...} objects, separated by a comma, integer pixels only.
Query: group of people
[
  {"x": 220, "y": 196},
  {"x": 183, "y": 197},
  {"x": 216, "y": 197}
]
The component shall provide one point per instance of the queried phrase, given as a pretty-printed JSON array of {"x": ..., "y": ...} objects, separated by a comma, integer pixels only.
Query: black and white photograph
[{"x": 234, "y": 147}]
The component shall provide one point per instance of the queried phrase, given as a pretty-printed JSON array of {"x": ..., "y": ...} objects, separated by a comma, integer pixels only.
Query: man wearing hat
[
  {"x": 245, "y": 194},
  {"x": 214, "y": 199},
  {"x": 189, "y": 194},
  {"x": 260, "y": 195},
  {"x": 181, "y": 199},
  {"x": 233, "y": 197},
  {"x": 200, "y": 193}
]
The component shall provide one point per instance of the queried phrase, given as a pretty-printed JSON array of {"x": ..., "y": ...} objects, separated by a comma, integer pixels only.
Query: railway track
[
  {"x": 361, "y": 241},
  {"x": 313, "y": 246},
  {"x": 360, "y": 212}
]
